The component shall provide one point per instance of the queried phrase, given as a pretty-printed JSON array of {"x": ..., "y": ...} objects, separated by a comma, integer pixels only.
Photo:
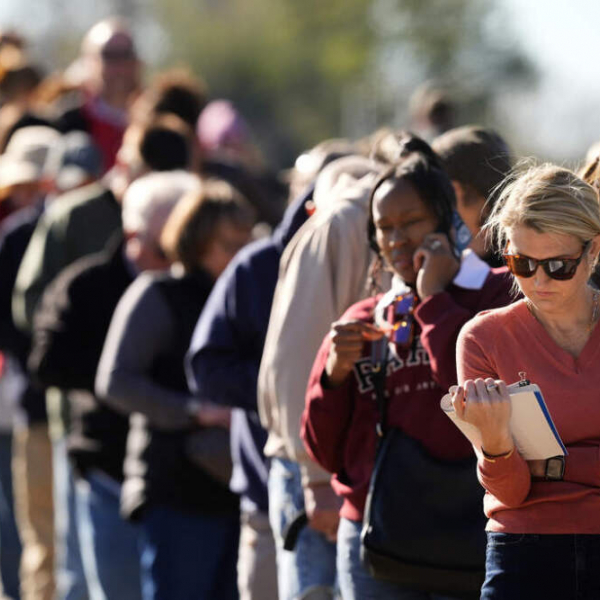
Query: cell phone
[{"x": 462, "y": 235}]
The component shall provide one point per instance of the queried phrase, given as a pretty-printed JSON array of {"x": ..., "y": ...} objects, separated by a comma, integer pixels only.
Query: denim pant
[
  {"x": 552, "y": 567},
  {"x": 109, "y": 544},
  {"x": 70, "y": 577},
  {"x": 310, "y": 567},
  {"x": 355, "y": 582},
  {"x": 187, "y": 556},
  {"x": 10, "y": 544}
]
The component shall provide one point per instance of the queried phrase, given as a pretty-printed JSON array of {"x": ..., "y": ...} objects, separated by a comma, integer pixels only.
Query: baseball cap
[{"x": 26, "y": 154}]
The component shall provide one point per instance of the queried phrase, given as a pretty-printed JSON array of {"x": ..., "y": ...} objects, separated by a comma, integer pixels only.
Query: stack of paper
[{"x": 531, "y": 424}]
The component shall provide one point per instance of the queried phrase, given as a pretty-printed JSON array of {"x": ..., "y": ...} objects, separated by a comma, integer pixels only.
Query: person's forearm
[
  {"x": 507, "y": 478},
  {"x": 165, "y": 409},
  {"x": 441, "y": 320}
]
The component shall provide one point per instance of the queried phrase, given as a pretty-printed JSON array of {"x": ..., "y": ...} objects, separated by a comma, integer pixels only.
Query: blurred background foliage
[
  {"x": 303, "y": 71},
  {"x": 284, "y": 63}
]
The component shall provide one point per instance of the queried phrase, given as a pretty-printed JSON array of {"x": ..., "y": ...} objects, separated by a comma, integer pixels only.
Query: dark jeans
[
  {"x": 109, "y": 545},
  {"x": 552, "y": 567},
  {"x": 188, "y": 556}
]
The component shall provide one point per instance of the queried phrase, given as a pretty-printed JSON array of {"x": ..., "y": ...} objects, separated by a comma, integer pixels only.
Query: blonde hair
[{"x": 547, "y": 199}]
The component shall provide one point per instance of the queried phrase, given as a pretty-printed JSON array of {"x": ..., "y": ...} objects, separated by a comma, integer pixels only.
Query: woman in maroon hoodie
[{"x": 411, "y": 212}]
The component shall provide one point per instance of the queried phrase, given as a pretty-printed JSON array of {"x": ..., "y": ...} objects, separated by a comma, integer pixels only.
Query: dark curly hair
[{"x": 417, "y": 164}]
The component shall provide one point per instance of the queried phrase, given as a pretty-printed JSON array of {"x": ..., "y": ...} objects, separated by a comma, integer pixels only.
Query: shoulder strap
[{"x": 379, "y": 361}]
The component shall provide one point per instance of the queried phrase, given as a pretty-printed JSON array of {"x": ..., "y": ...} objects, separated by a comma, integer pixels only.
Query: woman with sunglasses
[
  {"x": 544, "y": 516},
  {"x": 410, "y": 223}
]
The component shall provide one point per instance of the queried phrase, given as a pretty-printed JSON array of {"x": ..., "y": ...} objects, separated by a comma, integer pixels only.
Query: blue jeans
[
  {"x": 10, "y": 544},
  {"x": 355, "y": 582},
  {"x": 70, "y": 578},
  {"x": 311, "y": 565},
  {"x": 109, "y": 544},
  {"x": 188, "y": 556},
  {"x": 552, "y": 567}
]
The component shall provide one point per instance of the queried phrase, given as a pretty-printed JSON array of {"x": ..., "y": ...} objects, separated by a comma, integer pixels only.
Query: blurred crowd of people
[{"x": 164, "y": 298}]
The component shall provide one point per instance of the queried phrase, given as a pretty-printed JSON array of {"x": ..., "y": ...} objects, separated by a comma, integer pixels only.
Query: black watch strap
[{"x": 555, "y": 468}]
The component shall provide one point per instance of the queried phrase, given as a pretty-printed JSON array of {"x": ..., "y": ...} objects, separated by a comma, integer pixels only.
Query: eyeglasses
[{"x": 558, "y": 268}]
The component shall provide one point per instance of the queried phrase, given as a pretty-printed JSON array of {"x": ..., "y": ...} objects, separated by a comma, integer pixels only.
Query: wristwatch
[{"x": 555, "y": 468}]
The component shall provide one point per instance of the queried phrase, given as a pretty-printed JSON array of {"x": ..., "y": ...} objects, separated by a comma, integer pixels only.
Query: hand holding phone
[
  {"x": 436, "y": 265},
  {"x": 462, "y": 234}
]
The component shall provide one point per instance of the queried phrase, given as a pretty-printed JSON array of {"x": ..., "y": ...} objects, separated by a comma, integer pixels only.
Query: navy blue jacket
[{"x": 227, "y": 345}]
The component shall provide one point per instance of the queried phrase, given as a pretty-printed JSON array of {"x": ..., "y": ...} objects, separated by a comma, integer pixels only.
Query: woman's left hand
[
  {"x": 435, "y": 264},
  {"x": 486, "y": 404}
]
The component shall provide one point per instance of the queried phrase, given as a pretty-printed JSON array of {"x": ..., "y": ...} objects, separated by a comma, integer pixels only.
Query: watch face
[{"x": 555, "y": 468}]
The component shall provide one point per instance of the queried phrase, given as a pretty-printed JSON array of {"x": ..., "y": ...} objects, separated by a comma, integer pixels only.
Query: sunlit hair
[
  {"x": 191, "y": 226},
  {"x": 590, "y": 172},
  {"x": 547, "y": 199}
]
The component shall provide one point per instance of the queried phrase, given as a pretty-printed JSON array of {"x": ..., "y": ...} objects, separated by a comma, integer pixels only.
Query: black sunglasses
[{"x": 556, "y": 268}]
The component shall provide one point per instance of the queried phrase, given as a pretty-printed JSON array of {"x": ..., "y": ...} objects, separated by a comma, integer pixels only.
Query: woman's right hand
[
  {"x": 486, "y": 404},
  {"x": 347, "y": 340}
]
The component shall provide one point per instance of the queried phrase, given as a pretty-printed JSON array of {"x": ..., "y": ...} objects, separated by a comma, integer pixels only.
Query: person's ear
[
  {"x": 459, "y": 192},
  {"x": 594, "y": 252},
  {"x": 594, "y": 246}
]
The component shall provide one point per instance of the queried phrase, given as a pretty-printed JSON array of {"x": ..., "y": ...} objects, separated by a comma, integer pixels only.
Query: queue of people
[{"x": 189, "y": 412}]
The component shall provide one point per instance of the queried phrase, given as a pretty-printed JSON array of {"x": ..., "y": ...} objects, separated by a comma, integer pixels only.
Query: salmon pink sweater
[{"x": 500, "y": 343}]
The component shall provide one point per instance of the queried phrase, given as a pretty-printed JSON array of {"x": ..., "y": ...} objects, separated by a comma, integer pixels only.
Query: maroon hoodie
[{"x": 338, "y": 425}]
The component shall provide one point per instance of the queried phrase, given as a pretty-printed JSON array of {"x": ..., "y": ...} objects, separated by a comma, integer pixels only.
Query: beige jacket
[{"x": 322, "y": 272}]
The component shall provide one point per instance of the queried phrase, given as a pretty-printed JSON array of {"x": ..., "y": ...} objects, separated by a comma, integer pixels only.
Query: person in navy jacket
[{"x": 223, "y": 365}]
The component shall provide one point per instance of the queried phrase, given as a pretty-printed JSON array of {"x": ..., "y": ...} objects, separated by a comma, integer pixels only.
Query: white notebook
[{"x": 531, "y": 424}]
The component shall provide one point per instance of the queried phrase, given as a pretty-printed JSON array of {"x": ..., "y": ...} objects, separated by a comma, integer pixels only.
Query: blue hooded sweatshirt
[{"x": 226, "y": 349}]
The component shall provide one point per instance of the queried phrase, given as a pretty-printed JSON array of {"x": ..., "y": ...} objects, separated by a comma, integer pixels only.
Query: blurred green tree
[
  {"x": 303, "y": 71},
  {"x": 282, "y": 62}
]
